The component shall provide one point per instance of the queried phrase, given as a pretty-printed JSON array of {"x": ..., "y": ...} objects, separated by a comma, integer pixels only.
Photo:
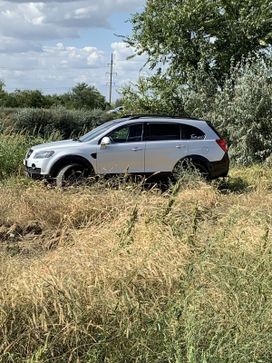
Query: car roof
[{"x": 159, "y": 118}]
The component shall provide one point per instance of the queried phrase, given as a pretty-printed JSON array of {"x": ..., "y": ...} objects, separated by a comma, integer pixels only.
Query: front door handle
[{"x": 136, "y": 149}]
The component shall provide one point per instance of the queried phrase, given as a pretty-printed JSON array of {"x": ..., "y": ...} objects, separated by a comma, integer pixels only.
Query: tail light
[{"x": 223, "y": 144}]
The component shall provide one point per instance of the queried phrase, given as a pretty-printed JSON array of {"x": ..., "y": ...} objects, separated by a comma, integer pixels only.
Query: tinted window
[
  {"x": 162, "y": 131},
  {"x": 135, "y": 133},
  {"x": 131, "y": 133},
  {"x": 191, "y": 133}
]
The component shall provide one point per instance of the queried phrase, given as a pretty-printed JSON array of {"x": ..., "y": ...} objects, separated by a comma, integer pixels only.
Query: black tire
[
  {"x": 191, "y": 167},
  {"x": 72, "y": 175}
]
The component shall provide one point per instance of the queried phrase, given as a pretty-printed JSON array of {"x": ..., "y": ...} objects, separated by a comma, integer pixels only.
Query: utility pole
[
  {"x": 111, "y": 74},
  {"x": 111, "y": 77}
]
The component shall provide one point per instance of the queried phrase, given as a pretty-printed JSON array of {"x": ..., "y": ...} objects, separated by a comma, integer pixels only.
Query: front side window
[
  {"x": 189, "y": 132},
  {"x": 132, "y": 133},
  {"x": 96, "y": 132},
  {"x": 162, "y": 132}
]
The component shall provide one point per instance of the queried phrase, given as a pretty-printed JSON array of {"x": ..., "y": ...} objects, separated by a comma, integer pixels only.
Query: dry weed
[{"x": 138, "y": 275}]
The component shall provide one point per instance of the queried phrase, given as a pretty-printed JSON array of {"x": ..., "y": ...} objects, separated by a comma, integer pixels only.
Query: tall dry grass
[{"x": 135, "y": 275}]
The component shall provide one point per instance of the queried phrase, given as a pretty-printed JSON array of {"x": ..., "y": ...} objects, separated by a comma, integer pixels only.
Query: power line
[{"x": 55, "y": 68}]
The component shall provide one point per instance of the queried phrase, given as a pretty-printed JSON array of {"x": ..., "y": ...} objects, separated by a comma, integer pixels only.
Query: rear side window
[
  {"x": 162, "y": 131},
  {"x": 191, "y": 133}
]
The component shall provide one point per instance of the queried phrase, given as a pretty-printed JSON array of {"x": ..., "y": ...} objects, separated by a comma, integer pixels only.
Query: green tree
[
  {"x": 24, "y": 98},
  {"x": 29, "y": 98},
  {"x": 2, "y": 85},
  {"x": 241, "y": 110},
  {"x": 162, "y": 94},
  {"x": 213, "y": 35},
  {"x": 81, "y": 96},
  {"x": 85, "y": 97},
  {"x": 2, "y": 92}
]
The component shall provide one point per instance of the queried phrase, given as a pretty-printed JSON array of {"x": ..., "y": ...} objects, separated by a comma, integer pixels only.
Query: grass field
[{"x": 126, "y": 274}]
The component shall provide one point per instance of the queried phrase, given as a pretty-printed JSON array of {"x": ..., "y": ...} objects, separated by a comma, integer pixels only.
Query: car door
[
  {"x": 125, "y": 153},
  {"x": 164, "y": 147},
  {"x": 197, "y": 143}
]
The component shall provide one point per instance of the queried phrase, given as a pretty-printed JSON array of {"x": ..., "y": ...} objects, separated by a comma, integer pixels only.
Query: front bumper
[
  {"x": 34, "y": 173},
  {"x": 36, "y": 168}
]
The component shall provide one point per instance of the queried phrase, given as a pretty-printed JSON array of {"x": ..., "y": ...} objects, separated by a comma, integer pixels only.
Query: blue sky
[{"x": 52, "y": 45}]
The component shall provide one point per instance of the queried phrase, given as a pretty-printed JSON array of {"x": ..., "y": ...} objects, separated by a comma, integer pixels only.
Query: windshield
[{"x": 97, "y": 131}]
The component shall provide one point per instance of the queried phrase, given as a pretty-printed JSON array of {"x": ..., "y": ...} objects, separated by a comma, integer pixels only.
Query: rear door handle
[
  {"x": 136, "y": 149},
  {"x": 180, "y": 146}
]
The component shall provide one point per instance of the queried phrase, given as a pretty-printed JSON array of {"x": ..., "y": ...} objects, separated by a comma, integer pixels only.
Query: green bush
[
  {"x": 66, "y": 122},
  {"x": 243, "y": 112},
  {"x": 22, "y": 128},
  {"x": 13, "y": 148},
  {"x": 241, "y": 109}
]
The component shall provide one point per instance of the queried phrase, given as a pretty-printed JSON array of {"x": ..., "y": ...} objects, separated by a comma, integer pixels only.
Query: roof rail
[{"x": 136, "y": 116}]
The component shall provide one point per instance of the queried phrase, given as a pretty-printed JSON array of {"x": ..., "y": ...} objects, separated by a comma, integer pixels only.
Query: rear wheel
[
  {"x": 188, "y": 166},
  {"x": 72, "y": 175}
]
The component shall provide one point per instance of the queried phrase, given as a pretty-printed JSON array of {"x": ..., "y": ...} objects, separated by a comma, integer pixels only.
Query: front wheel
[{"x": 72, "y": 175}]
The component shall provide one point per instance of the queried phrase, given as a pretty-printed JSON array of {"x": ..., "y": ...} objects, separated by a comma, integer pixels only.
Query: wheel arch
[
  {"x": 69, "y": 159},
  {"x": 196, "y": 159}
]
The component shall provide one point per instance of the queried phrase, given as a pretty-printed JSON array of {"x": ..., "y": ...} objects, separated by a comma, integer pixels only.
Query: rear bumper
[{"x": 220, "y": 168}]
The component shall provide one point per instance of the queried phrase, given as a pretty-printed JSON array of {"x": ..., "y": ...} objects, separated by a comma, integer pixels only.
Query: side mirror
[{"x": 105, "y": 142}]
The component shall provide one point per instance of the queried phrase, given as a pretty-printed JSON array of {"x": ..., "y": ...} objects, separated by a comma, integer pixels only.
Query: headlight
[
  {"x": 43, "y": 154},
  {"x": 29, "y": 152}
]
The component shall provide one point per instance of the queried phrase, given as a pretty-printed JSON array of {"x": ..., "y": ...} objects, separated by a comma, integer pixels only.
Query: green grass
[{"x": 13, "y": 147}]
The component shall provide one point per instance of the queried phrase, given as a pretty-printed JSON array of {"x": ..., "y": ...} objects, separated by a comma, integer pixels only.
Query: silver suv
[{"x": 134, "y": 145}]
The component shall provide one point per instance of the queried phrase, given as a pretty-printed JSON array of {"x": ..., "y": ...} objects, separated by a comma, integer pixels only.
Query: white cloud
[
  {"x": 11, "y": 45},
  {"x": 40, "y": 20},
  {"x": 58, "y": 68},
  {"x": 26, "y": 62},
  {"x": 128, "y": 70}
]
